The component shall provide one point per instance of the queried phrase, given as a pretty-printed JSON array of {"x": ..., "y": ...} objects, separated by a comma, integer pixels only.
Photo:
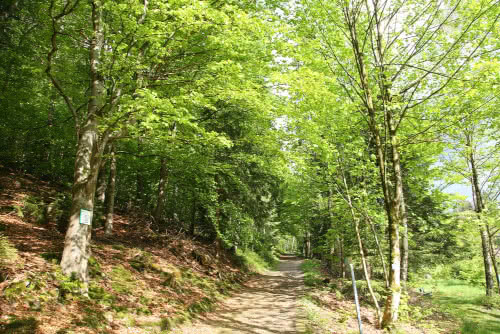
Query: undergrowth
[
  {"x": 465, "y": 303},
  {"x": 8, "y": 254},
  {"x": 253, "y": 262},
  {"x": 312, "y": 274}
]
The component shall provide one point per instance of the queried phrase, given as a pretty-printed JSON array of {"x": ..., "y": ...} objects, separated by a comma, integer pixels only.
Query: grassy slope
[
  {"x": 454, "y": 307},
  {"x": 465, "y": 303},
  {"x": 142, "y": 282}
]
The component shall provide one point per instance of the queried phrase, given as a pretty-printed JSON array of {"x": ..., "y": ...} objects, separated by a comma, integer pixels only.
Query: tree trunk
[
  {"x": 162, "y": 191},
  {"x": 392, "y": 303},
  {"x": 379, "y": 250},
  {"x": 110, "y": 197},
  {"x": 192, "y": 227},
  {"x": 392, "y": 201},
  {"x": 404, "y": 249},
  {"x": 89, "y": 153},
  {"x": 361, "y": 250},
  {"x": 308, "y": 245},
  {"x": 479, "y": 206},
  {"x": 493, "y": 256},
  {"x": 77, "y": 241},
  {"x": 487, "y": 262},
  {"x": 102, "y": 183},
  {"x": 341, "y": 259},
  {"x": 139, "y": 191}
]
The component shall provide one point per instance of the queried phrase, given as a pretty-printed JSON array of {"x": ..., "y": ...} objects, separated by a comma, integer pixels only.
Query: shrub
[
  {"x": 468, "y": 270},
  {"x": 312, "y": 274},
  {"x": 59, "y": 211},
  {"x": 472, "y": 327},
  {"x": 362, "y": 288},
  {"x": 34, "y": 210},
  {"x": 490, "y": 301},
  {"x": 142, "y": 260},
  {"x": 69, "y": 287},
  {"x": 20, "y": 326},
  {"x": 100, "y": 295}
]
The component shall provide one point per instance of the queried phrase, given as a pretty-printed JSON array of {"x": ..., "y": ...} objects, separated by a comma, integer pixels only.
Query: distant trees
[{"x": 473, "y": 155}]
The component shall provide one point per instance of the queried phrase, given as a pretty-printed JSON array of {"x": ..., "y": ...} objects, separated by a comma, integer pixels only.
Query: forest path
[{"x": 267, "y": 304}]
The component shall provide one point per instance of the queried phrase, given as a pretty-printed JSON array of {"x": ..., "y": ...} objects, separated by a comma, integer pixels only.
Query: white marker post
[{"x": 348, "y": 261}]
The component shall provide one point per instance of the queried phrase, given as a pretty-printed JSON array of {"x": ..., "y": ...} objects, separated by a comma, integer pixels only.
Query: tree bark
[
  {"x": 77, "y": 241},
  {"x": 392, "y": 201},
  {"x": 89, "y": 153},
  {"x": 379, "y": 250},
  {"x": 308, "y": 245},
  {"x": 102, "y": 183},
  {"x": 139, "y": 177},
  {"x": 110, "y": 196},
  {"x": 404, "y": 249},
  {"x": 341, "y": 259},
  {"x": 479, "y": 206},
  {"x": 493, "y": 256},
  {"x": 392, "y": 303},
  {"x": 162, "y": 191},
  {"x": 192, "y": 227},
  {"x": 487, "y": 262},
  {"x": 361, "y": 250}
]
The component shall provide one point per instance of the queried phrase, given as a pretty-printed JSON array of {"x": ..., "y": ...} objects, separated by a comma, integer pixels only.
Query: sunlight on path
[{"x": 266, "y": 305}]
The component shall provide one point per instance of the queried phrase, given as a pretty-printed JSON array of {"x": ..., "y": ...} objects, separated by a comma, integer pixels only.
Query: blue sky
[{"x": 459, "y": 189}]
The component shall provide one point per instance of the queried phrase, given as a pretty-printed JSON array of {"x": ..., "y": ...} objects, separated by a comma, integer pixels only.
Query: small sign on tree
[{"x": 85, "y": 217}]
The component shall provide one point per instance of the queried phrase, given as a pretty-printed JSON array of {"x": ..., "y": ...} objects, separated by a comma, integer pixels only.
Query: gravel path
[{"x": 265, "y": 305}]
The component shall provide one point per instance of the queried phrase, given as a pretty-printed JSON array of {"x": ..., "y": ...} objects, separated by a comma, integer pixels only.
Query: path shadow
[{"x": 265, "y": 305}]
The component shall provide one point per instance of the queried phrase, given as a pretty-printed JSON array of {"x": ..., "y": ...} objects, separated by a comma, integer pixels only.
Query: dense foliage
[{"x": 324, "y": 127}]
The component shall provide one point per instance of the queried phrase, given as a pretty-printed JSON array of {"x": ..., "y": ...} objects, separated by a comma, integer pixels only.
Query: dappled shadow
[
  {"x": 265, "y": 305},
  {"x": 490, "y": 314}
]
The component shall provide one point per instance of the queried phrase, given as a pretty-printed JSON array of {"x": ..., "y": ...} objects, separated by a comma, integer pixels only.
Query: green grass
[
  {"x": 253, "y": 262},
  {"x": 312, "y": 274},
  {"x": 317, "y": 320},
  {"x": 466, "y": 303},
  {"x": 122, "y": 280}
]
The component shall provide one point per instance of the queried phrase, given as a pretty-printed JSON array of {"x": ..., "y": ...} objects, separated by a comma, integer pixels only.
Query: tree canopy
[{"x": 324, "y": 127}]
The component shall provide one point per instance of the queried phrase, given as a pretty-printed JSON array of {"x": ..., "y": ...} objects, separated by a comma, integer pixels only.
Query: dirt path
[{"x": 266, "y": 305}]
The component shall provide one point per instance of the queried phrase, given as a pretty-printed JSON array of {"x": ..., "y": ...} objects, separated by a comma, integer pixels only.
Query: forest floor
[
  {"x": 447, "y": 307},
  {"x": 267, "y": 304},
  {"x": 142, "y": 282}
]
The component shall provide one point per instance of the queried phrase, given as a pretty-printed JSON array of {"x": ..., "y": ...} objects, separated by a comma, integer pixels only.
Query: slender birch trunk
[
  {"x": 192, "y": 227},
  {"x": 110, "y": 196},
  {"x": 102, "y": 183},
  {"x": 361, "y": 249},
  {"x": 341, "y": 259},
  {"x": 404, "y": 249},
  {"x": 479, "y": 206},
  {"x": 493, "y": 256},
  {"x": 379, "y": 250},
  {"x": 162, "y": 191}
]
